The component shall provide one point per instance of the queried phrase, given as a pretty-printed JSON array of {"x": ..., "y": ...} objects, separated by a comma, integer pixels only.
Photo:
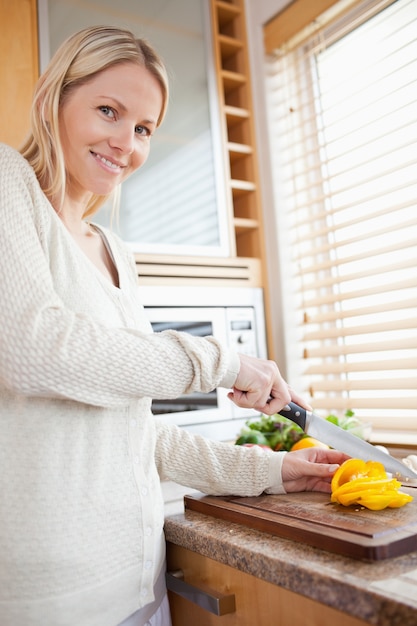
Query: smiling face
[{"x": 105, "y": 129}]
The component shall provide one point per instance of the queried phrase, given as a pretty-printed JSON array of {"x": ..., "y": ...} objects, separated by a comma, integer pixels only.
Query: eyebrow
[{"x": 124, "y": 109}]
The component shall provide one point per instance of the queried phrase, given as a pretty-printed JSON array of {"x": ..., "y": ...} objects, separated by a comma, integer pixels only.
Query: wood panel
[
  {"x": 19, "y": 67},
  {"x": 300, "y": 17},
  {"x": 198, "y": 271},
  {"x": 292, "y": 20},
  {"x": 258, "y": 603}
]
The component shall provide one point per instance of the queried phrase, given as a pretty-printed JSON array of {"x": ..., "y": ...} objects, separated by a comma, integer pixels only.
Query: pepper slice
[
  {"x": 360, "y": 485},
  {"x": 369, "y": 499},
  {"x": 366, "y": 483},
  {"x": 357, "y": 468},
  {"x": 400, "y": 499}
]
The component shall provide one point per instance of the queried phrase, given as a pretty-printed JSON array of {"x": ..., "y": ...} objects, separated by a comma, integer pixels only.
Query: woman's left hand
[{"x": 310, "y": 469}]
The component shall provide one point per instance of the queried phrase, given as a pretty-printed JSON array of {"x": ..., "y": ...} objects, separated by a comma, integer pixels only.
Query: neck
[{"x": 72, "y": 213}]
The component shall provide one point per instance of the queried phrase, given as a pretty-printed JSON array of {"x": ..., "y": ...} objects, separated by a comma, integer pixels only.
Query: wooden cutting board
[{"x": 310, "y": 518}]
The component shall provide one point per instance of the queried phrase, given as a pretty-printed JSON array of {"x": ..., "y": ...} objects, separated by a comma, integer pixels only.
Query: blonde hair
[{"x": 77, "y": 60}]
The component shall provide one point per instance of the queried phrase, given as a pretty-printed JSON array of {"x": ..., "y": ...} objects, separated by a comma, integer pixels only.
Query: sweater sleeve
[
  {"x": 47, "y": 349},
  {"x": 214, "y": 467}
]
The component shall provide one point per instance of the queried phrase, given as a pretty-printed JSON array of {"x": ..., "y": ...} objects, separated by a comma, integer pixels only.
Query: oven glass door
[{"x": 194, "y": 408}]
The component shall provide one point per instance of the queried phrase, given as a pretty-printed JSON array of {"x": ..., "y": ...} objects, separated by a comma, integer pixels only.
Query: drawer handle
[{"x": 204, "y": 597}]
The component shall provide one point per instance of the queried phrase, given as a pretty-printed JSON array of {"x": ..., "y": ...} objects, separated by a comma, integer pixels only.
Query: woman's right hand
[{"x": 260, "y": 386}]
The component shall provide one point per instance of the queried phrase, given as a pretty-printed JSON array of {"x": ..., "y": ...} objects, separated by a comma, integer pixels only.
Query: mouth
[{"x": 113, "y": 165}]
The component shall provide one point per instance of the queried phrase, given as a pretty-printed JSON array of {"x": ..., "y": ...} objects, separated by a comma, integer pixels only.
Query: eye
[
  {"x": 108, "y": 111},
  {"x": 142, "y": 130}
]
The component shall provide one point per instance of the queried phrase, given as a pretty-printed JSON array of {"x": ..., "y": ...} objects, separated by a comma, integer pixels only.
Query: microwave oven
[{"x": 235, "y": 316}]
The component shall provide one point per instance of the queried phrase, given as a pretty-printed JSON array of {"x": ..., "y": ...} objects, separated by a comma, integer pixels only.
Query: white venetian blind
[{"x": 343, "y": 117}]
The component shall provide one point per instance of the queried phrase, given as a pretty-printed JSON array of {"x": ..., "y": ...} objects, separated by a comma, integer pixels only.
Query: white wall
[{"x": 268, "y": 8}]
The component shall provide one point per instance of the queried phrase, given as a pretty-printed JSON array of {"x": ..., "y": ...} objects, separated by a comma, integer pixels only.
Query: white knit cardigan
[{"x": 81, "y": 456}]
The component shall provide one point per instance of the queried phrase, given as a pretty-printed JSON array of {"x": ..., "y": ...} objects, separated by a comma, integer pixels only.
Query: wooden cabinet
[
  {"x": 19, "y": 68},
  {"x": 236, "y": 110},
  {"x": 234, "y": 86},
  {"x": 257, "y": 602}
]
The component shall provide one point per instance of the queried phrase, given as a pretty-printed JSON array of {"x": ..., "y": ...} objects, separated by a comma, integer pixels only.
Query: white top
[{"x": 81, "y": 456}]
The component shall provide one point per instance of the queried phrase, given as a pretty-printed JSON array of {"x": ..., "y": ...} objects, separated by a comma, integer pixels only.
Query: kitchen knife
[{"x": 335, "y": 437}]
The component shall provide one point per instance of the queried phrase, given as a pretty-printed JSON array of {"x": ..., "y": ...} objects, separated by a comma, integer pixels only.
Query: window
[{"x": 343, "y": 118}]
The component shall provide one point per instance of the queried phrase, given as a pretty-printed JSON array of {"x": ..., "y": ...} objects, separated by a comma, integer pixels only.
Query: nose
[{"x": 123, "y": 139}]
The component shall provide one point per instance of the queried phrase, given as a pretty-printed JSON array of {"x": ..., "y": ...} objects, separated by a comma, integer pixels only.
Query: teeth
[{"x": 107, "y": 162}]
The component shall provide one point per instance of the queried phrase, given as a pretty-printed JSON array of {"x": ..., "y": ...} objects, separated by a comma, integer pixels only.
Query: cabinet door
[
  {"x": 19, "y": 68},
  {"x": 257, "y": 602}
]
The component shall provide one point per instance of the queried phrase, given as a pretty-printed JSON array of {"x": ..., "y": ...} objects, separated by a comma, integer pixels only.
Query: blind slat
[
  {"x": 368, "y": 366},
  {"x": 332, "y": 316},
  {"x": 364, "y": 236},
  {"x": 351, "y": 295},
  {"x": 343, "y": 403},
  {"x": 360, "y": 348},
  {"x": 383, "y": 269},
  {"x": 368, "y": 329},
  {"x": 367, "y": 385},
  {"x": 359, "y": 220},
  {"x": 360, "y": 256}
]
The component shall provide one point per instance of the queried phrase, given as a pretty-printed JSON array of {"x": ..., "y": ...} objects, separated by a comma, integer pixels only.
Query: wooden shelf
[
  {"x": 230, "y": 45},
  {"x": 242, "y": 186},
  {"x": 232, "y": 80},
  {"x": 233, "y": 71},
  {"x": 238, "y": 150},
  {"x": 243, "y": 224},
  {"x": 235, "y": 115},
  {"x": 226, "y": 12}
]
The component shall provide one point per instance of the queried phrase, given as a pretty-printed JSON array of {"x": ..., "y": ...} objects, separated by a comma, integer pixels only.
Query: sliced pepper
[
  {"x": 369, "y": 499},
  {"x": 400, "y": 499},
  {"x": 357, "y": 468},
  {"x": 376, "y": 501},
  {"x": 366, "y": 483}
]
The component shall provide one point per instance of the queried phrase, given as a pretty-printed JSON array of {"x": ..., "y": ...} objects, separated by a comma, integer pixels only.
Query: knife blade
[{"x": 335, "y": 437}]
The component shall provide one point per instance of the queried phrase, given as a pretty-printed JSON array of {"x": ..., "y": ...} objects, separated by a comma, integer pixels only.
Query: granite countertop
[{"x": 383, "y": 593}]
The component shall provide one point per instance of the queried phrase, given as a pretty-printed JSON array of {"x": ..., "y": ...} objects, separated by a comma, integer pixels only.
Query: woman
[{"x": 81, "y": 517}]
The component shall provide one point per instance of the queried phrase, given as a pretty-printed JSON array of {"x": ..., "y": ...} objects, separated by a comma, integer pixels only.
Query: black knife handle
[{"x": 295, "y": 413}]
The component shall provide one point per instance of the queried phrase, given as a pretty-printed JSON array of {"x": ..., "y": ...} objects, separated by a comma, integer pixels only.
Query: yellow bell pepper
[
  {"x": 369, "y": 499},
  {"x": 366, "y": 483},
  {"x": 360, "y": 485},
  {"x": 356, "y": 468},
  {"x": 400, "y": 499}
]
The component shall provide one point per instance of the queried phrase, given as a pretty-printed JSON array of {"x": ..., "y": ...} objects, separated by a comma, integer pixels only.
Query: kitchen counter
[{"x": 383, "y": 593}]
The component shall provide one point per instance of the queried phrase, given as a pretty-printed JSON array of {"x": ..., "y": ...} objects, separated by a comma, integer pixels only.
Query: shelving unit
[{"x": 234, "y": 88}]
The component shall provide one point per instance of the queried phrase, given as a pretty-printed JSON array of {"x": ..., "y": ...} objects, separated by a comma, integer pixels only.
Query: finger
[
  {"x": 330, "y": 456},
  {"x": 295, "y": 397},
  {"x": 320, "y": 485},
  {"x": 322, "y": 470},
  {"x": 250, "y": 399},
  {"x": 308, "y": 484},
  {"x": 274, "y": 404},
  {"x": 244, "y": 399}
]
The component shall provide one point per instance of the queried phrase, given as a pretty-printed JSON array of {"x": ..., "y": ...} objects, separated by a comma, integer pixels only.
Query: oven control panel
[{"x": 241, "y": 327}]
